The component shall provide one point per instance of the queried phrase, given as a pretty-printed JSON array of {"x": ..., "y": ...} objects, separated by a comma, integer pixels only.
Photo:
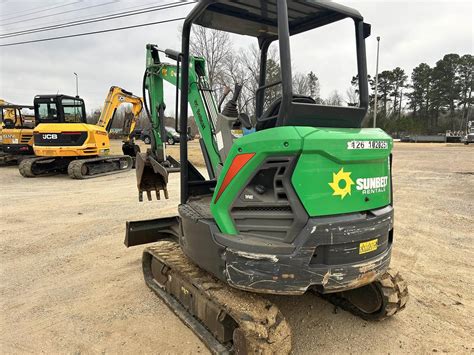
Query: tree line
[{"x": 430, "y": 100}]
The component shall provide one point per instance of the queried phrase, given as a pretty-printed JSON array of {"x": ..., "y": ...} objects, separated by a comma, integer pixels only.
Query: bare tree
[
  {"x": 227, "y": 67},
  {"x": 301, "y": 84},
  {"x": 334, "y": 99},
  {"x": 250, "y": 62},
  {"x": 216, "y": 47},
  {"x": 352, "y": 97},
  {"x": 307, "y": 85}
]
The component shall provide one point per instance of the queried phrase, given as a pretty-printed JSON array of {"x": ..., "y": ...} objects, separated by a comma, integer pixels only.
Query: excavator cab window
[
  {"x": 47, "y": 112},
  {"x": 59, "y": 109},
  {"x": 13, "y": 116},
  {"x": 72, "y": 110}
]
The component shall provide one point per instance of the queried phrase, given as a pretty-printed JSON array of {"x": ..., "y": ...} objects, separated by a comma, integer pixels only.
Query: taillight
[{"x": 238, "y": 163}]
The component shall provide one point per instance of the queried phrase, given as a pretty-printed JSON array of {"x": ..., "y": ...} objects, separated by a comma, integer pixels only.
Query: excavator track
[
  {"x": 6, "y": 159},
  {"x": 377, "y": 301},
  {"x": 227, "y": 320},
  {"x": 26, "y": 168},
  {"x": 101, "y": 166},
  {"x": 41, "y": 166}
]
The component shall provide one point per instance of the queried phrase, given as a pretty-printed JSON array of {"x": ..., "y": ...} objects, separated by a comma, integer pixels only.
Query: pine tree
[
  {"x": 398, "y": 78},
  {"x": 421, "y": 86},
  {"x": 466, "y": 83}
]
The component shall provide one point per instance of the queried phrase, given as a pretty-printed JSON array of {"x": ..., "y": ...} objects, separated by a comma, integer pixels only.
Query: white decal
[
  {"x": 220, "y": 141},
  {"x": 50, "y": 136},
  {"x": 372, "y": 185},
  {"x": 367, "y": 145}
]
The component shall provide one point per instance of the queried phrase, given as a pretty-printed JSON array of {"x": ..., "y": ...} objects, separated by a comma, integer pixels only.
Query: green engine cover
[
  {"x": 339, "y": 170},
  {"x": 343, "y": 171}
]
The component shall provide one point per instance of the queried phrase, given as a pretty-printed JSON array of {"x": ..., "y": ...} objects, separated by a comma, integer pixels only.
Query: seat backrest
[
  {"x": 313, "y": 115},
  {"x": 270, "y": 116},
  {"x": 9, "y": 123}
]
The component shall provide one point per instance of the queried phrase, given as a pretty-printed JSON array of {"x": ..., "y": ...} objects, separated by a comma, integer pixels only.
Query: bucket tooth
[{"x": 148, "y": 195}]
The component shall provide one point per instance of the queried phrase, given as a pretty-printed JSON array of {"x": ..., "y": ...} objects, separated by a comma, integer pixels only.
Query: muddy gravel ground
[{"x": 68, "y": 284}]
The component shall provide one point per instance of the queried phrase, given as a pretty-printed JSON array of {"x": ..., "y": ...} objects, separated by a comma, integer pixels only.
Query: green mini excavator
[{"x": 303, "y": 204}]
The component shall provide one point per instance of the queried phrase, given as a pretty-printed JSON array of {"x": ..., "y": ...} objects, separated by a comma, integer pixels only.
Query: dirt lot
[{"x": 68, "y": 284}]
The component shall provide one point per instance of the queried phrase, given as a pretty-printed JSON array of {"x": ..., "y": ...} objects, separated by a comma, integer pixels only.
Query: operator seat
[
  {"x": 270, "y": 116},
  {"x": 9, "y": 123}
]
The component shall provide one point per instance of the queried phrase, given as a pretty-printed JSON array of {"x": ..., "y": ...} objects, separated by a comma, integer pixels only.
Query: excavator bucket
[
  {"x": 153, "y": 175},
  {"x": 130, "y": 148}
]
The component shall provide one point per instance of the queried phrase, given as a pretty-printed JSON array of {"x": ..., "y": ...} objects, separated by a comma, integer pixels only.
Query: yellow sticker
[{"x": 367, "y": 247}]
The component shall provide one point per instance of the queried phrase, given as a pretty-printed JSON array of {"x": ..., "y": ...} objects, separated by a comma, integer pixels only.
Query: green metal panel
[
  {"x": 270, "y": 142},
  {"x": 331, "y": 179},
  {"x": 323, "y": 152}
]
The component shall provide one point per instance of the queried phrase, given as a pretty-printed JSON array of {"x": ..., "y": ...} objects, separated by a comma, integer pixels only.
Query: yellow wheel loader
[{"x": 65, "y": 143}]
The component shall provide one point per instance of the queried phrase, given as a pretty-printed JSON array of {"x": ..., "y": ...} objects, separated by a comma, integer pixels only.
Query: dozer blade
[
  {"x": 227, "y": 320},
  {"x": 152, "y": 176}
]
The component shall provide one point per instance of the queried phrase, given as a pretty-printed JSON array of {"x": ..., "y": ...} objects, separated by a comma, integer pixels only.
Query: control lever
[{"x": 230, "y": 109}]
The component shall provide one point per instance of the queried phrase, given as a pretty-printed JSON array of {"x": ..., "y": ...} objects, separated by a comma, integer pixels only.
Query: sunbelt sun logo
[{"x": 342, "y": 184}]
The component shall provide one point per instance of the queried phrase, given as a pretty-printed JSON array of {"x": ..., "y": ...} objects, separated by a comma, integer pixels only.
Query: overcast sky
[{"x": 411, "y": 32}]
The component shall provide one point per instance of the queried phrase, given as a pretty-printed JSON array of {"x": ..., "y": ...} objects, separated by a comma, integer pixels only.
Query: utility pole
[
  {"x": 376, "y": 82},
  {"x": 77, "y": 85}
]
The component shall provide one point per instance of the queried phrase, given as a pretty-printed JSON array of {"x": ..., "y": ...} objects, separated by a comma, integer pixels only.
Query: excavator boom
[{"x": 154, "y": 166}]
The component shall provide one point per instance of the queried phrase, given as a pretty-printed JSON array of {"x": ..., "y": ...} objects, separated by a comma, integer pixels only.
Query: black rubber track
[
  {"x": 76, "y": 169},
  {"x": 262, "y": 329},
  {"x": 26, "y": 168}
]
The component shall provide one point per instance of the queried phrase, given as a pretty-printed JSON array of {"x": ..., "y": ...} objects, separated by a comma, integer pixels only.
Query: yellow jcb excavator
[
  {"x": 65, "y": 142},
  {"x": 16, "y": 133}
]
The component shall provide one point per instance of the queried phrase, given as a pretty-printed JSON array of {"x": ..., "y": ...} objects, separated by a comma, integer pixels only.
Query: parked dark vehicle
[
  {"x": 145, "y": 136},
  {"x": 172, "y": 137},
  {"x": 136, "y": 133}
]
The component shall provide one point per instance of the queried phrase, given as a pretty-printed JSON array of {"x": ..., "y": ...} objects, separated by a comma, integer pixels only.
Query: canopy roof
[
  {"x": 57, "y": 96},
  {"x": 16, "y": 106},
  {"x": 259, "y": 18}
]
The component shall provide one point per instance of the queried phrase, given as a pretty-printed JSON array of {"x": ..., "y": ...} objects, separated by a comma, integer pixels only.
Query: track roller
[{"x": 227, "y": 320}]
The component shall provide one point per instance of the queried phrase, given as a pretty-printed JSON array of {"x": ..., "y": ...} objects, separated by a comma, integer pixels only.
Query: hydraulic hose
[{"x": 145, "y": 104}]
